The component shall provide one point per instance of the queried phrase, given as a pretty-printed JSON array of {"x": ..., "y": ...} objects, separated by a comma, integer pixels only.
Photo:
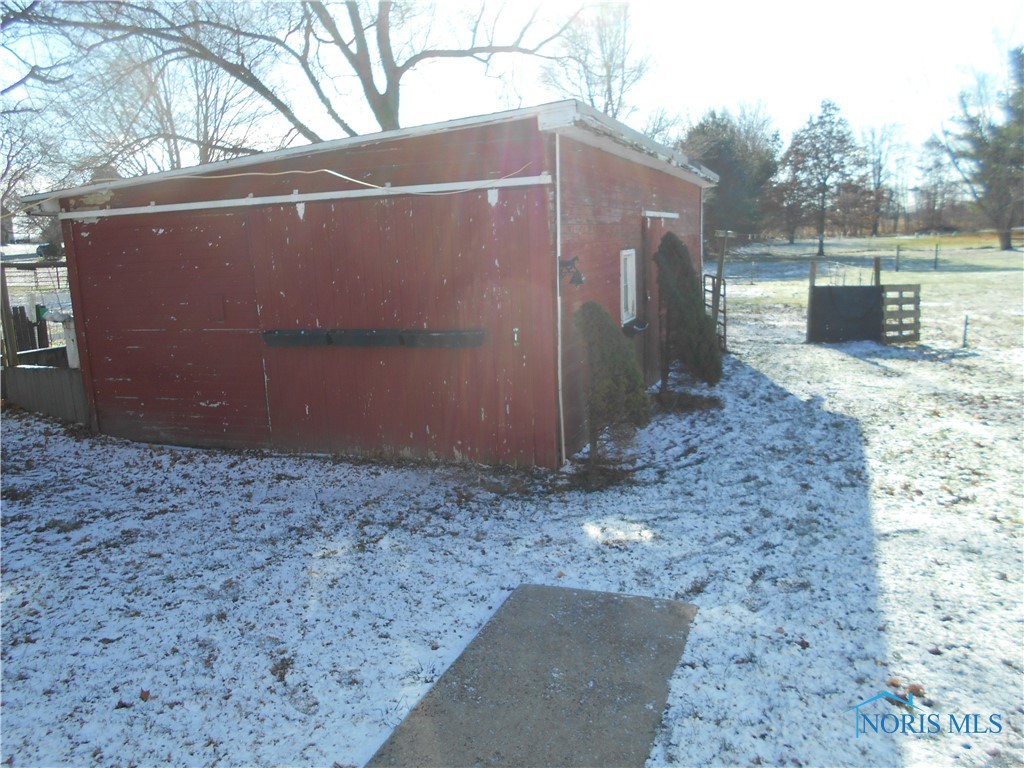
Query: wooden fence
[
  {"x": 29, "y": 289},
  {"x": 890, "y": 314},
  {"x": 901, "y": 313}
]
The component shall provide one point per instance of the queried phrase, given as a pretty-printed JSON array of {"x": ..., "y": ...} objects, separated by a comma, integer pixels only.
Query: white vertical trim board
[{"x": 558, "y": 291}]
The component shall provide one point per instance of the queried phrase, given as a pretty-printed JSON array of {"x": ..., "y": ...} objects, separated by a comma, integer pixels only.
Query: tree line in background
[
  {"x": 827, "y": 182},
  {"x": 104, "y": 89}
]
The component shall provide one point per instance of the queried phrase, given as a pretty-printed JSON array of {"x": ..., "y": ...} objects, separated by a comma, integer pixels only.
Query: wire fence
[
  {"x": 32, "y": 285},
  {"x": 852, "y": 263}
]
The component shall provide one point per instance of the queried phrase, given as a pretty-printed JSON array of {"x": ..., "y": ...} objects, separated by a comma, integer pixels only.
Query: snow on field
[{"x": 848, "y": 522}]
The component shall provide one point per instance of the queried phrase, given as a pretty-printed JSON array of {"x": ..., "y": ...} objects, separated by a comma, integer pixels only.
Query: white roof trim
[{"x": 446, "y": 188}]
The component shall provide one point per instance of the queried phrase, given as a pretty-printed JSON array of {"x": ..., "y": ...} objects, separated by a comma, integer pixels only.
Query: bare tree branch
[
  {"x": 595, "y": 62},
  {"x": 133, "y": 81}
]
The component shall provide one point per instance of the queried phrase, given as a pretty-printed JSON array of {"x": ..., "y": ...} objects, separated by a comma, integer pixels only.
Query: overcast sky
[{"x": 882, "y": 61}]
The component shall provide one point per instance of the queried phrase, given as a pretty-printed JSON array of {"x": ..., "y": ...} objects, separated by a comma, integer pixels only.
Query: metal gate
[{"x": 715, "y": 304}]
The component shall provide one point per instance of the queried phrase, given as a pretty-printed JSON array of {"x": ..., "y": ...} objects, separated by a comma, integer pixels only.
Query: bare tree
[
  {"x": 596, "y": 65},
  {"x": 323, "y": 51},
  {"x": 937, "y": 190},
  {"x": 18, "y": 160},
  {"x": 880, "y": 146},
  {"x": 896, "y": 203},
  {"x": 30, "y": 161},
  {"x": 986, "y": 147},
  {"x": 135, "y": 110},
  {"x": 663, "y": 126}
]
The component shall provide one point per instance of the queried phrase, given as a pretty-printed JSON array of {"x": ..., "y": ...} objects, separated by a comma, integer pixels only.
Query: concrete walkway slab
[{"x": 557, "y": 677}]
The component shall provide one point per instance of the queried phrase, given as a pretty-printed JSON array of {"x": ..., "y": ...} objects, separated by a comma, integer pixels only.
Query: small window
[{"x": 627, "y": 265}]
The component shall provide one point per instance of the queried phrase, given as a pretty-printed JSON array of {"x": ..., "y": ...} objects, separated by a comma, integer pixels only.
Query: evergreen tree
[
  {"x": 615, "y": 385},
  {"x": 690, "y": 334},
  {"x": 744, "y": 153}
]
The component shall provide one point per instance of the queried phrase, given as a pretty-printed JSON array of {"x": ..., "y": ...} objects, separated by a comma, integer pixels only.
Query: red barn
[{"x": 409, "y": 292}]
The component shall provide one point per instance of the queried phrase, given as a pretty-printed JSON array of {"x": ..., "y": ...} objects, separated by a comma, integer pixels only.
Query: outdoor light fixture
[{"x": 568, "y": 267}]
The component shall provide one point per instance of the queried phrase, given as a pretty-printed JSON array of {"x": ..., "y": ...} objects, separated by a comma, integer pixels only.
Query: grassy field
[
  {"x": 977, "y": 287},
  {"x": 956, "y": 253}
]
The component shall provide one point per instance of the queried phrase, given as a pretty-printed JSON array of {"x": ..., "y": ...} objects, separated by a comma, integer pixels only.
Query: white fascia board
[
  {"x": 49, "y": 206},
  {"x": 560, "y": 115},
  {"x": 447, "y": 188}
]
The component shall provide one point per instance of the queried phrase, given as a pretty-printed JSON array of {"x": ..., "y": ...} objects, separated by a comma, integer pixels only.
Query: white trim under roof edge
[
  {"x": 88, "y": 214},
  {"x": 561, "y": 112}
]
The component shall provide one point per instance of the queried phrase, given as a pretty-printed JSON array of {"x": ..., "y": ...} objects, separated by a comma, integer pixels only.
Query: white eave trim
[{"x": 447, "y": 188}]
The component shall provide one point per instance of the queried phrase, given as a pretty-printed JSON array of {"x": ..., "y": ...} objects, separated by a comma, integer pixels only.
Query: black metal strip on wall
[{"x": 375, "y": 337}]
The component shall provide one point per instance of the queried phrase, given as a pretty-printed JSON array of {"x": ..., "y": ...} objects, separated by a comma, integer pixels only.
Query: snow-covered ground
[{"x": 849, "y": 522}]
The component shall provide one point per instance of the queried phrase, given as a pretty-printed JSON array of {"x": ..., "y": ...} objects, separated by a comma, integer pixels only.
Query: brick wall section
[{"x": 603, "y": 198}]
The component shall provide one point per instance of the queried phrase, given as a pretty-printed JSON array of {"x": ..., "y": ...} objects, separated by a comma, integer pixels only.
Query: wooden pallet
[{"x": 901, "y": 313}]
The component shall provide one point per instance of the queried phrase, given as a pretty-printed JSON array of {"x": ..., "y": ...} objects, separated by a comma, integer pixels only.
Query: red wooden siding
[
  {"x": 603, "y": 199},
  {"x": 171, "y": 329},
  {"x": 452, "y": 262},
  {"x": 175, "y": 305}
]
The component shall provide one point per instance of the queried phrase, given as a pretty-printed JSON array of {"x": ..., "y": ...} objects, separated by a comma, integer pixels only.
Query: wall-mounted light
[{"x": 568, "y": 267}]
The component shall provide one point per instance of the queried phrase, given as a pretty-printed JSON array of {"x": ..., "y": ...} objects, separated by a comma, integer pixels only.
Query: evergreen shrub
[
  {"x": 615, "y": 384},
  {"x": 690, "y": 334}
]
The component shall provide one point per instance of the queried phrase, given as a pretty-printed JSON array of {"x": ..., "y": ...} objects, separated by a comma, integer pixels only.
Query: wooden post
[
  {"x": 936, "y": 269},
  {"x": 897, "y": 257},
  {"x": 878, "y": 270},
  {"x": 10, "y": 339},
  {"x": 810, "y": 298}
]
